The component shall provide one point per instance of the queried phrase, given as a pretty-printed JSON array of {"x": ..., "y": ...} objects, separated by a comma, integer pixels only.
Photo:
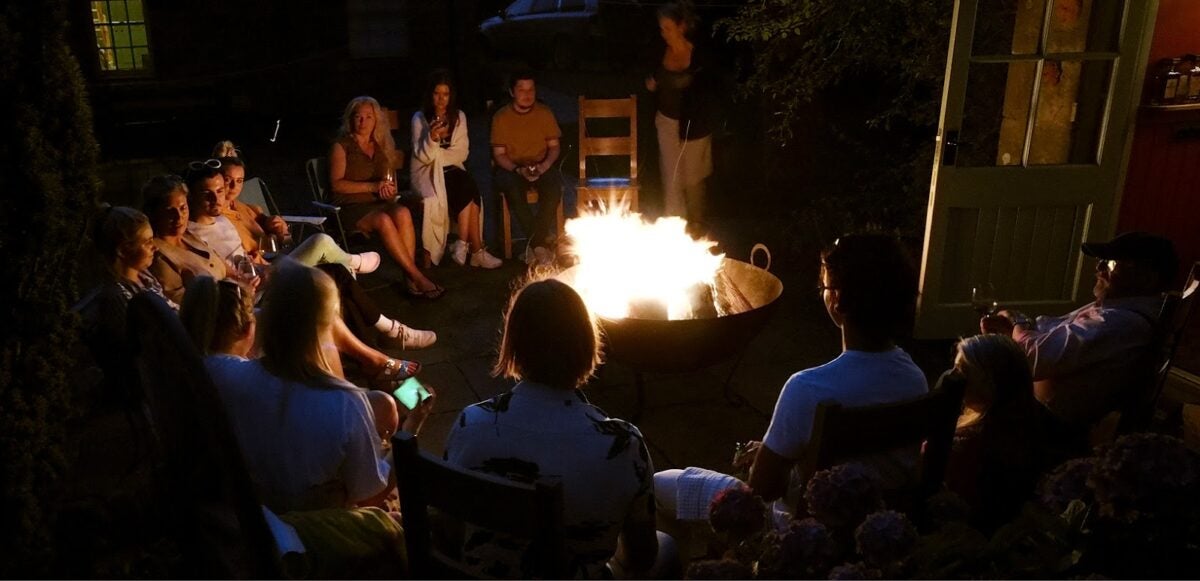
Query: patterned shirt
[{"x": 536, "y": 432}]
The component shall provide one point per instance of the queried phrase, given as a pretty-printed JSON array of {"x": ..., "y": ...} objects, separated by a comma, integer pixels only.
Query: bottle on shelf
[
  {"x": 1184, "y": 67},
  {"x": 1168, "y": 85},
  {"x": 1193, "y": 92}
]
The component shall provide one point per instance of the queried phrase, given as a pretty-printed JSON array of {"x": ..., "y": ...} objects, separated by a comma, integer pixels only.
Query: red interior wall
[{"x": 1162, "y": 187}]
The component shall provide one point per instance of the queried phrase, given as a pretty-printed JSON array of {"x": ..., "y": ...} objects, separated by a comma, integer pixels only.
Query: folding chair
[
  {"x": 532, "y": 512},
  {"x": 317, "y": 170},
  {"x": 840, "y": 433},
  {"x": 605, "y": 188},
  {"x": 255, "y": 192}
]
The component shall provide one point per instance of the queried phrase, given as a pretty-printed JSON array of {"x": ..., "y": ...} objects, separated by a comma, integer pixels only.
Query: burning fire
[{"x": 631, "y": 268}]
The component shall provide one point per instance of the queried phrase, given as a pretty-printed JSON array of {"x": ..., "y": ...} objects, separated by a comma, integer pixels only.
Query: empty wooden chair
[
  {"x": 532, "y": 512},
  {"x": 603, "y": 188}
]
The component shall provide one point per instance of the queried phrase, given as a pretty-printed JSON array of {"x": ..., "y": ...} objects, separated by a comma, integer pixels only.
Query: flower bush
[
  {"x": 805, "y": 550},
  {"x": 737, "y": 513},
  {"x": 885, "y": 538},
  {"x": 842, "y": 496}
]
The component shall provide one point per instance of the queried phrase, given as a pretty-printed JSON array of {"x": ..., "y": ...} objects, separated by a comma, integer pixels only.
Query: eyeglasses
[
  {"x": 1108, "y": 265},
  {"x": 821, "y": 288},
  {"x": 200, "y": 165}
]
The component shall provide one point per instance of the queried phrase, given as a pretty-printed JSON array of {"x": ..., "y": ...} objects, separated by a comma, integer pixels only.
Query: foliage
[{"x": 49, "y": 182}]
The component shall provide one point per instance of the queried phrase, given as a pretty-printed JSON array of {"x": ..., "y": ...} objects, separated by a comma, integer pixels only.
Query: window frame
[{"x": 147, "y": 69}]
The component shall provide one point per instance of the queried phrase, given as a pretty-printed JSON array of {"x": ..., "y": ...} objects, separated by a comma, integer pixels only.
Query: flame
[{"x": 625, "y": 260}]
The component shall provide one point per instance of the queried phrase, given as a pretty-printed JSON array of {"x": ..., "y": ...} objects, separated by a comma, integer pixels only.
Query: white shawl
[{"x": 428, "y": 159}]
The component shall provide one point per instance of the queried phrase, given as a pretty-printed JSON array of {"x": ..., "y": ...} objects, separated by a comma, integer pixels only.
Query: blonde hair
[
  {"x": 550, "y": 336},
  {"x": 299, "y": 307},
  {"x": 225, "y": 148},
  {"x": 116, "y": 227},
  {"x": 382, "y": 135},
  {"x": 216, "y": 313},
  {"x": 1005, "y": 363}
]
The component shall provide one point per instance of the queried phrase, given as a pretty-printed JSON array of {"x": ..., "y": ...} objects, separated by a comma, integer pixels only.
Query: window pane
[
  {"x": 124, "y": 59},
  {"x": 540, "y": 6},
  {"x": 138, "y": 32},
  {"x": 995, "y": 114},
  {"x": 120, "y": 36},
  {"x": 1083, "y": 25},
  {"x": 1067, "y": 128},
  {"x": 571, "y": 5},
  {"x": 1006, "y": 27},
  {"x": 116, "y": 10},
  {"x": 108, "y": 62},
  {"x": 100, "y": 12},
  {"x": 141, "y": 57},
  {"x": 135, "y": 10}
]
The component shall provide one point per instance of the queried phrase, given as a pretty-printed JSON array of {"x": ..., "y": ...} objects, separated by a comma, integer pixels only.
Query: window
[
  {"x": 572, "y": 6},
  {"x": 121, "y": 39},
  {"x": 544, "y": 6}
]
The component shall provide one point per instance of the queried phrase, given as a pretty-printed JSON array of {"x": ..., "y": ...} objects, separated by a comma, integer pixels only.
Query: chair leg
[
  {"x": 342, "y": 231},
  {"x": 507, "y": 226}
]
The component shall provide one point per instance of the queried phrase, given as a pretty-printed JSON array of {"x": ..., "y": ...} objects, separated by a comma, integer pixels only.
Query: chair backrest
[
  {"x": 214, "y": 512},
  {"x": 841, "y": 433},
  {"x": 532, "y": 512},
  {"x": 255, "y": 192},
  {"x": 393, "y": 118},
  {"x": 607, "y": 146},
  {"x": 317, "y": 169}
]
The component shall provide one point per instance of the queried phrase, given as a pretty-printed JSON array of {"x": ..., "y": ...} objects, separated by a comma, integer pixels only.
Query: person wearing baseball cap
[{"x": 1083, "y": 362}]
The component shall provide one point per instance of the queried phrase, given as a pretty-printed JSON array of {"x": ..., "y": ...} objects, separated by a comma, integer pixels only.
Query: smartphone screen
[{"x": 411, "y": 393}]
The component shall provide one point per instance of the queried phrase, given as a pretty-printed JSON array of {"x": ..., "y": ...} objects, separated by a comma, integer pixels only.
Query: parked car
[{"x": 561, "y": 33}]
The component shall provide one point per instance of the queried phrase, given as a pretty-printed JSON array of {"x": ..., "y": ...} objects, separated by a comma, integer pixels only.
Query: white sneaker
[
  {"x": 484, "y": 259},
  {"x": 458, "y": 251},
  {"x": 411, "y": 338},
  {"x": 364, "y": 263}
]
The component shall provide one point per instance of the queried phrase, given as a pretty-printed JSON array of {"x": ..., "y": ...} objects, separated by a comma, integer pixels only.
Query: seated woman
[
  {"x": 1001, "y": 437},
  {"x": 440, "y": 148},
  {"x": 311, "y": 439},
  {"x": 182, "y": 256},
  {"x": 360, "y": 164},
  {"x": 545, "y": 428}
]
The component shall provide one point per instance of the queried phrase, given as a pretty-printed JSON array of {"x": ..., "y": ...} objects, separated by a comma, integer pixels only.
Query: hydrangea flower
[
  {"x": 842, "y": 496},
  {"x": 805, "y": 550},
  {"x": 855, "y": 571},
  {"x": 1065, "y": 483},
  {"x": 946, "y": 508},
  {"x": 737, "y": 512},
  {"x": 885, "y": 538},
  {"x": 1145, "y": 474}
]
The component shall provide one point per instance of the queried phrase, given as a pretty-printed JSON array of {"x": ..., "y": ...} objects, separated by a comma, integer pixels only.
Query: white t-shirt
[
  {"x": 305, "y": 448},
  {"x": 853, "y": 379},
  {"x": 221, "y": 235}
]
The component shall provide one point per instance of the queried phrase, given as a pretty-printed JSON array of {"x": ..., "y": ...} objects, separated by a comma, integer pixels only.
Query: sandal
[
  {"x": 393, "y": 372},
  {"x": 434, "y": 293}
]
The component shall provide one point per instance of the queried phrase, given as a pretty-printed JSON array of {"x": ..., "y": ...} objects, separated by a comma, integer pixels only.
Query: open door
[{"x": 1031, "y": 146}]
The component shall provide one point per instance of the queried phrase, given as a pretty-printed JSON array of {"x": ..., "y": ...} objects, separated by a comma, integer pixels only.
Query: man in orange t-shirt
[{"x": 525, "y": 145}]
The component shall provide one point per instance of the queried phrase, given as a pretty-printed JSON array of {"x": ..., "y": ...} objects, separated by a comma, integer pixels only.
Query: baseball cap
[{"x": 1141, "y": 247}]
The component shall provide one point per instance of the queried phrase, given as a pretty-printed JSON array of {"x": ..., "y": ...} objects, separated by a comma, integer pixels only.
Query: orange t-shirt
[{"x": 524, "y": 135}]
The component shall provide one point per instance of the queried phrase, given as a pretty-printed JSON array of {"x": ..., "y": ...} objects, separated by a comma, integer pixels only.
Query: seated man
[
  {"x": 1083, "y": 359},
  {"x": 869, "y": 286},
  {"x": 524, "y": 148}
]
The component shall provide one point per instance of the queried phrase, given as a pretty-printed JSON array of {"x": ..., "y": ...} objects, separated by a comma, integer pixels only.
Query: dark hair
[
  {"x": 231, "y": 161},
  {"x": 681, "y": 13},
  {"x": 216, "y": 313},
  {"x": 550, "y": 336},
  {"x": 441, "y": 77},
  {"x": 521, "y": 75},
  {"x": 193, "y": 177},
  {"x": 158, "y": 189},
  {"x": 876, "y": 281}
]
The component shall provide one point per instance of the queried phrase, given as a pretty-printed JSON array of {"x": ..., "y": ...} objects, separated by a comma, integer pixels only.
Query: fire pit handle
[{"x": 767, "y": 251}]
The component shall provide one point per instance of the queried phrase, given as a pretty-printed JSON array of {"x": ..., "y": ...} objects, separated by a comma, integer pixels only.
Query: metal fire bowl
[{"x": 684, "y": 345}]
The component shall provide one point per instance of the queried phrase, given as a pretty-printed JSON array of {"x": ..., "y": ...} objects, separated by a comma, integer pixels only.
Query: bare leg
[
  {"x": 469, "y": 226},
  {"x": 387, "y": 417},
  {"x": 402, "y": 218},
  {"x": 355, "y": 349},
  {"x": 393, "y": 241}
]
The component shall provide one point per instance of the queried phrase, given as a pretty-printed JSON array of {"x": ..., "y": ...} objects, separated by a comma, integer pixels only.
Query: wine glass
[
  {"x": 246, "y": 270},
  {"x": 268, "y": 244},
  {"x": 983, "y": 299}
]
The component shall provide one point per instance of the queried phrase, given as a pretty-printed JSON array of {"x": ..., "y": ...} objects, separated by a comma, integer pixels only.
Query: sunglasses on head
[
  {"x": 236, "y": 286},
  {"x": 200, "y": 165}
]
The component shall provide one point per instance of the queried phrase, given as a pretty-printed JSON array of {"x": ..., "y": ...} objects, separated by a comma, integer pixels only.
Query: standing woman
[
  {"x": 684, "y": 82},
  {"x": 361, "y": 162},
  {"x": 440, "y": 147}
]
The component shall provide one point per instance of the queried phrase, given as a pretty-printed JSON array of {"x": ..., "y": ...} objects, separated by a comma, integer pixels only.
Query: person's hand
[
  {"x": 1000, "y": 323},
  {"x": 387, "y": 190},
  {"x": 651, "y": 84},
  {"x": 528, "y": 173},
  {"x": 416, "y": 418},
  {"x": 744, "y": 456},
  {"x": 438, "y": 130},
  {"x": 277, "y": 226}
]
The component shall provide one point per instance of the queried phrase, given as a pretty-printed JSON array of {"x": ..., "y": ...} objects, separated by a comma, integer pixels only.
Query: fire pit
[
  {"x": 672, "y": 346},
  {"x": 667, "y": 303}
]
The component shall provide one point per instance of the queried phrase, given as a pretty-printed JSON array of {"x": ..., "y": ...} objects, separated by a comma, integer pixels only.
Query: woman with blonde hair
[
  {"x": 311, "y": 439},
  {"x": 362, "y": 175}
]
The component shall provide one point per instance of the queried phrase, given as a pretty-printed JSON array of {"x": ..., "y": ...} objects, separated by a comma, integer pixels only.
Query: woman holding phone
[
  {"x": 440, "y": 149},
  {"x": 310, "y": 438}
]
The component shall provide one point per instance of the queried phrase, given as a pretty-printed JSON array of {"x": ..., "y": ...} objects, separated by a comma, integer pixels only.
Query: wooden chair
[
  {"x": 531, "y": 197},
  {"x": 605, "y": 188},
  {"x": 840, "y": 433},
  {"x": 527, "y": 511}
]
